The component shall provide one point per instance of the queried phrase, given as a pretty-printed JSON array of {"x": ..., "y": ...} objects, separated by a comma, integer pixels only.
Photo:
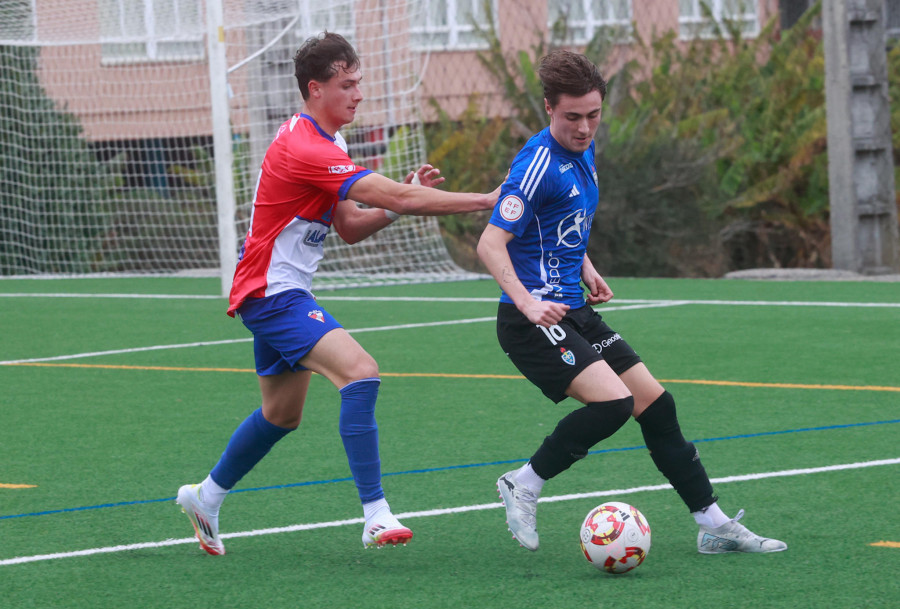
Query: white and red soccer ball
[{"x": 615, "y": 537}]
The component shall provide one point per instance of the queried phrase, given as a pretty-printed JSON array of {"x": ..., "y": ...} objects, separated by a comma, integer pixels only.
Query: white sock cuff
[
  {"x": 711, "y": 516},
  {"x": 211, "y": 493},
  {"x": 527, "y": 476},
  {"x": 373, "y": 507}
]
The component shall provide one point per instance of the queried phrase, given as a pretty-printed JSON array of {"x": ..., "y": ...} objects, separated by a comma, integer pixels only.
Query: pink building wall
[{"x": 171, "y": 99}]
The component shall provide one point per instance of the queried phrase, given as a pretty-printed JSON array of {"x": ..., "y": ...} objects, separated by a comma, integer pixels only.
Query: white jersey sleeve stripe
[
  {"x": 534, "y": 160},
  {"x": 544, "y": 165},
  {"x": 535, "y": 170}
]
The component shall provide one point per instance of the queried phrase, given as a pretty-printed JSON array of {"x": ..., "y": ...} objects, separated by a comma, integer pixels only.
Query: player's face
[
  {"x": 339, "y": 96},
  {"x": 574, "y": 120}
]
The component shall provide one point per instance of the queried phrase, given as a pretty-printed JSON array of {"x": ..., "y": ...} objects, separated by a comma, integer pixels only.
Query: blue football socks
[
  {"x": 359, "y": 433},
  {"x": 250, "y": 442}
]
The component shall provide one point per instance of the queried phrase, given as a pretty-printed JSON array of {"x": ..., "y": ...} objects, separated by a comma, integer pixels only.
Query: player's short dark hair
[
  {"x": 319, "y": 58},
  {"x": 567, "y": 73}
]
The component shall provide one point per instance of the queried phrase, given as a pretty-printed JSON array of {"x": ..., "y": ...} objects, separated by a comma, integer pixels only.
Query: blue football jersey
[{"x": 548, "y": 203}]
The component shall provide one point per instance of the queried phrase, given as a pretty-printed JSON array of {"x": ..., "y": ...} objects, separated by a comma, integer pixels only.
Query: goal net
[{"x": 108, "y": 163}]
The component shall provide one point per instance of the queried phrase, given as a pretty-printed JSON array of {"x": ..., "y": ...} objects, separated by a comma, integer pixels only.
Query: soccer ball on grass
[{"x": 615, "y": 537}]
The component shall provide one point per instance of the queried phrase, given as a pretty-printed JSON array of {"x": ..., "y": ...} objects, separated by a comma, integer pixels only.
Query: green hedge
[{"x": 711, "y": 156}]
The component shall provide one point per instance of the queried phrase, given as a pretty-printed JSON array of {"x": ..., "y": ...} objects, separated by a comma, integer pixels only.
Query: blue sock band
[
  {"x": 250, "y": 442},
  {"x": 359, "y": 433}
]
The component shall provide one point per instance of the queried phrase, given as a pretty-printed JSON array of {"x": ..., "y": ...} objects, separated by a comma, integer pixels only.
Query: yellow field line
[
  {"x": 886, "y": 544},
  {"x": 17, "y": 485},
  {"x": 473, "y": 376},
  {"x": 124, "y": 367},
  {"x": 785, "y": 385}
]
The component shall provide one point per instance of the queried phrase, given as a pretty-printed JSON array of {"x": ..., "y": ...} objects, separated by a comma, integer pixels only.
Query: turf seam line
[
  {"x": 440, "y": 512},
  {"x": 473, "y": 299},
  {"x": 231, "y": 341},
  {"x": 449, "y": 468}
]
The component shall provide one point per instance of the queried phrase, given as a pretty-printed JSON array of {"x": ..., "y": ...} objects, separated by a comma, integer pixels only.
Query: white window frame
[
  {"x": 892, "y": 19},
  {"x": 693, "y": 24},
  {"x": 598, "y": 15},
  {"x": 19, "y": 30},
  {"x": 443, "y": 30},
  {"x": 317, "y": 16},
  {"x": 120, "y": 46}
]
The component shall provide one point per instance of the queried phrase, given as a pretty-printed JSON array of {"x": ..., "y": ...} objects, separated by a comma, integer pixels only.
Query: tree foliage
[
  {"x": 51, "y": 213},
  {"x": 711, "y": 155}
]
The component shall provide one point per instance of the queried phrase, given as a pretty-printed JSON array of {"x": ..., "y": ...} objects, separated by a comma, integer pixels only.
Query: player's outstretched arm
[
  {"x": 493, "y": 253},
  {"x": 354, "y": 223},
  {"x": 408, "y": 199}
]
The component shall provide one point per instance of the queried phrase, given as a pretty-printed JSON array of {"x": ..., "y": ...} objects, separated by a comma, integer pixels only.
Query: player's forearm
[
  {"x": 408, "y": 199},
  {"x": 495, "y": 257},
  {"x": 354, "y": 224},
  {"x": 420, "y": 201}
]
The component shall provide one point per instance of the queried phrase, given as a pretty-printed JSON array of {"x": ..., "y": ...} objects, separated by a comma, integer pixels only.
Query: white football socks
[
  {"x": 212, "y": 494},
  {"x": 527, "y": 476},
  {"x": 373, "y": 507},
  {"x": 711, "y": 516}
]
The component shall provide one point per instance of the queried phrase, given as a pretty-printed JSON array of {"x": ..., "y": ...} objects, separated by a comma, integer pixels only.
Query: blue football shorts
[{"x": 285, "y": 327}]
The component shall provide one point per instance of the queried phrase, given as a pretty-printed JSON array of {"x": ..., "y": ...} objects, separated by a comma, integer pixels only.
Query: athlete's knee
[
  {"x": 578, "y": 432},
  {"x": 660, "y": 416},
  {"x": 610, "y": 416},
  {"x": 599, "y": 420},
  {"x": 361, "y": 367}
]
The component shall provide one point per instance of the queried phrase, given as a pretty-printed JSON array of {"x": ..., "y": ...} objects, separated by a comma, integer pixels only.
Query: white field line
[
  {"x": 439, "y": 512},
  {"x": 430, "y": 324},
  {"x": 129, "y": 296},
  {"x": 326, "y": 297}
]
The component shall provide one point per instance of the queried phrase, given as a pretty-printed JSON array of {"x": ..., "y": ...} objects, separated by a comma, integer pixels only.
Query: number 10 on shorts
[{"x": 554, "y": 334}]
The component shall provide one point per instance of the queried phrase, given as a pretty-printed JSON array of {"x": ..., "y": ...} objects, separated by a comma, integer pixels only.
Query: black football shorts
[{"x": 552, "y": 357}]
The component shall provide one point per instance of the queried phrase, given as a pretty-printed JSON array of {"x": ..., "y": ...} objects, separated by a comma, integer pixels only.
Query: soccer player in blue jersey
[{"x": 535, "y": 246}]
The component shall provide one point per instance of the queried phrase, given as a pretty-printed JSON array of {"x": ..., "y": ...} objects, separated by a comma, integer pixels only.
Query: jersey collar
[{"x": 316, "y": 125}]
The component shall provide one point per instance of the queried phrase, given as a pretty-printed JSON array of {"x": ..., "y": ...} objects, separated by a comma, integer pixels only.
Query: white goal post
[{"x": 136, "y": 128}]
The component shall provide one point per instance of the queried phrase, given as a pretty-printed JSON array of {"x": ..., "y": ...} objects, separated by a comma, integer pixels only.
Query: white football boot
[
  {"x": 735, "y": 537},
  {"x": 521, "y": 507}
]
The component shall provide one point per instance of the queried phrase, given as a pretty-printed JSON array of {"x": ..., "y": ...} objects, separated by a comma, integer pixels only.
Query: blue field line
[{"x": 452, "y": 467}]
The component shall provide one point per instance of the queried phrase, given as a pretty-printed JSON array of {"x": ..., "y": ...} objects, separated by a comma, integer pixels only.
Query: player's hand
[
  {"x": 598, "y": 290},
  {"x": 429, "y": 176},
  {"x": 543, "y": 313}
]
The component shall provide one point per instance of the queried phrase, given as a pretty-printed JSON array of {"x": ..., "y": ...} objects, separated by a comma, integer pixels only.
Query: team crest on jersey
[
  {"x": 570, "y": 229},
  {"x": 341, "y": 168},
  {"x": 567, "y": 356},
  {"x": 317, "y": 315},
  {"x": 511, "y": 208}
]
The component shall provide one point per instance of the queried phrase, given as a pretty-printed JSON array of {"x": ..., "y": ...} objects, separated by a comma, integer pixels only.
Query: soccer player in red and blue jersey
[
  {"x": 535, "y": 246},
  {"x": 307, "y": 184}
]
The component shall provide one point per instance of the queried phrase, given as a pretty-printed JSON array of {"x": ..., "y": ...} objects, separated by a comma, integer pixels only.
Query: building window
[
  {"x": 892, "y": 19},
  {"x": 450, "y": 25},
  {"x": 151, "y": 30},
  {"x": 694, "y": 22},
  {"x": 17, "y": 21},
  {"x": 585, "y": 19},
  {"x": 317, "y": 17}
]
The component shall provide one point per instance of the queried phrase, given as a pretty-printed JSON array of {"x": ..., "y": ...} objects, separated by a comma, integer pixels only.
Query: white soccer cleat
[
  {"x": 384, "y": 529},
  {"x": 205, "y": 523},
  {"x": 735, "y": 537},
  {"x": 521, "y": 508}
]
